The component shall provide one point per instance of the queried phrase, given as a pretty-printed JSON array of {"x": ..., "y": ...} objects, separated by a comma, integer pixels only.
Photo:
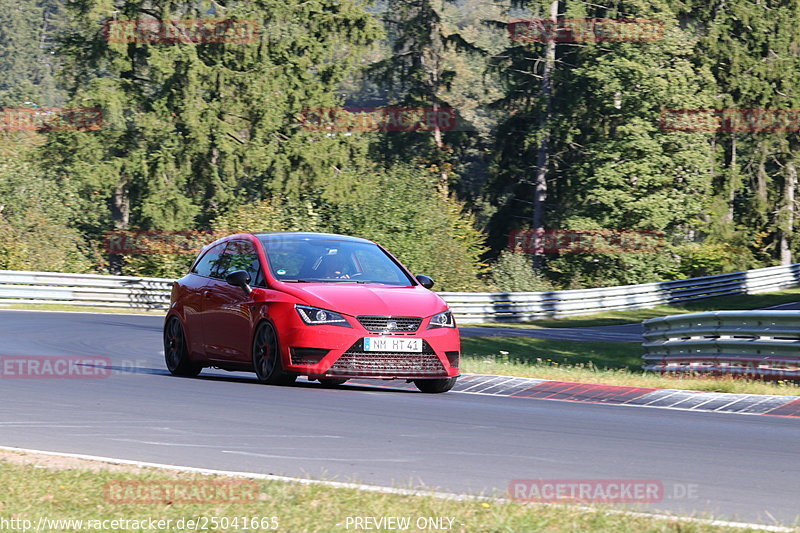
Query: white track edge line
[{"x": 392, "y": 490}]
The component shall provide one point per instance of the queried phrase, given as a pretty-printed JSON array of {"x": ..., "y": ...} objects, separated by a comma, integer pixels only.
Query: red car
[{"x": 329, "y": 307}]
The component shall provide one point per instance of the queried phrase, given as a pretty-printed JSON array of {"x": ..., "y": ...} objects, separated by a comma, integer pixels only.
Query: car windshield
[{"x": 332, "y": 261}]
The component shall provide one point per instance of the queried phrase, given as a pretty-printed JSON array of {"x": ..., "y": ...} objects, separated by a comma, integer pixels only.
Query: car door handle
[{"x": 206, "y": 294}]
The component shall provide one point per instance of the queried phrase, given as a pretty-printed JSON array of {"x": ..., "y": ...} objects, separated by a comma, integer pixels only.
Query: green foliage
[
  {"x": 513, "y": 272},
  {"x": 278, "y": 214},
  {"x": 403, "y": 209},
  {"x": 27, "y": 29},
  {"x": 193, "y": 130},
  {"x": 34, "y": 232},
  {"x": 706, "y": 259},
  {"x": 612, "y": 167},
  {"x": 157, "y": 265},
  {"x": 582, "y": 270},
  {"x": 206, "y": 136},
  {"x": 751, "y": 48},
  {"x": 400, "y": 208}
]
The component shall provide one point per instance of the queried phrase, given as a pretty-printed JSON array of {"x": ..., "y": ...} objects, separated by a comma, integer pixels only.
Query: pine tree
[
  {"x": 27, "y": 30},
  {"x": 192, "y": 130},
  {"x": 418, "y": 75},
  {"x": 610, "y": 166},
  {"x": 753, "y": 50}
]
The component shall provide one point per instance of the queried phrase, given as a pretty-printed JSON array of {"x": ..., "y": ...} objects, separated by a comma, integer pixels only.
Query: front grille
[
  {"x": 391, "y": 324},
  {"x": 357, "y": 362}
]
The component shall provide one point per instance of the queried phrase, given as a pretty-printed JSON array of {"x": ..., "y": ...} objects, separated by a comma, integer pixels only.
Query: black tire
[
  {"x": 435, "y": 386},
  {"x": 266, "y": 357},
  {"x": 332, "y": 382},
  {"x": 176, "y": 355}
]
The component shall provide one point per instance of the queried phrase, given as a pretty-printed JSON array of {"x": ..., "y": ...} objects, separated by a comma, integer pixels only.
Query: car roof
[{"x": 308, "y": 236}]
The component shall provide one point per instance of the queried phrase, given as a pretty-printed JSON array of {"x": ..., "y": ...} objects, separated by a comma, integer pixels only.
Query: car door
[
  {"x": 227, "y": 313},
  {"x": 192, "y": 297}
]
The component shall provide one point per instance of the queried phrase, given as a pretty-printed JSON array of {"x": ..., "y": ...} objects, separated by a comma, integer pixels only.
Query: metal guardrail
[
  {"x": 153, "y": 293},
  {"x": 521, "y": 306},
  {"x": 92, "y": 290},
  {"x": 753, "y": 343}
]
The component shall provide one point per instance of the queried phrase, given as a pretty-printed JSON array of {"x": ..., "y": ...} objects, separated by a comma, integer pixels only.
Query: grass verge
[
  {"x": 607, "y": 363},
  {"x": 32, "y": 493},
  {"x": 732, "y": 303}
]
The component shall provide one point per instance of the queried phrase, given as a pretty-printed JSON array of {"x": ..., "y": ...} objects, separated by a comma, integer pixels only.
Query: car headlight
[
  {"x": 442, "y": 320},
  {"x": 314, "y": 316}
]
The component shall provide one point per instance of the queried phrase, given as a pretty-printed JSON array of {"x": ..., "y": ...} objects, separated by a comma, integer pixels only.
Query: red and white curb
[{"x": 688, "y": 400}]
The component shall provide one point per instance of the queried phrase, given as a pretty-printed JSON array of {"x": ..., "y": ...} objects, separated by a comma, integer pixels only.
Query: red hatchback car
[{"x": 329, "y": 307}]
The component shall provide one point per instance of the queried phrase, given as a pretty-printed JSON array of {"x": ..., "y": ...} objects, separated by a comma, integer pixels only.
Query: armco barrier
[
  {"x": 153, "y": 293},
  {"x": 84, "y": 289},
  {"x": 521, "y": 306},
  {"x": 755, "y": 343}
]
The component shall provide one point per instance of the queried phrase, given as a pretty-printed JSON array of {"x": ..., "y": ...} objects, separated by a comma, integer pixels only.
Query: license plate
[{"x": 391, "y": 344}]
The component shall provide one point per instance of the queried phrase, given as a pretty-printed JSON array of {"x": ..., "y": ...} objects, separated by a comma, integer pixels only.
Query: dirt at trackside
[{"x": 56, "y": 462}]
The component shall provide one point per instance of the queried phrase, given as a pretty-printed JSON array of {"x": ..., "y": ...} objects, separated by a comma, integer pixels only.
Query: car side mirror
[
  {"x": 425, "y": 281},
  {"x": 240, "y": 278}
]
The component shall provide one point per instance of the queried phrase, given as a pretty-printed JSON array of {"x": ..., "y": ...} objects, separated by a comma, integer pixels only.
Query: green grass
[
  {"x": 607, "y": 363},
  {"x": 733, "y": 302},
  {"x": 31, "y": 492}
]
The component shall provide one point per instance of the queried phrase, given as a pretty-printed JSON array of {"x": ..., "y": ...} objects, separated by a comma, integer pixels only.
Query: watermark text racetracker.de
[
  {"x": 600, "y": 241},
  {"x": 199, "y": 523},
  {"x": 157, "y": 242},
  {"x": 360, "y": 119},
  {"x": 51, "y": 119},
  {"x": 730, "y": 120},
  {"x": 604, "y": 491},
  {"x": 54, "y": 367},
  {"x": 187, "y": 31},
  {"x": 173, "y": 492},
  {"x": 584, "y": 30}
]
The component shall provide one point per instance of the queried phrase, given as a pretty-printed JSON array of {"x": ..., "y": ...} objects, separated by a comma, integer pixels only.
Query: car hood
[{"x": 354, "y": 299}]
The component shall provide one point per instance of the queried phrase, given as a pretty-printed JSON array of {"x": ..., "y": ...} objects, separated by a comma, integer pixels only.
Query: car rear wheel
[
  {"x": 267, "y": 359},
  {"x": 435, "y": 386},
  {"x": 176, "y": 354},
  {"x": 332, "y": 382}
]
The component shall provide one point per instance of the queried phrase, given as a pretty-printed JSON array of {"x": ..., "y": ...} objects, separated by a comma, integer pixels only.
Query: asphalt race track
[{"x": 737, "y": 467}]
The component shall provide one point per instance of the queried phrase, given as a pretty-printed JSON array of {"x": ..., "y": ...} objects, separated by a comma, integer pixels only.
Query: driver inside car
[{"x": 332, "y": 267}]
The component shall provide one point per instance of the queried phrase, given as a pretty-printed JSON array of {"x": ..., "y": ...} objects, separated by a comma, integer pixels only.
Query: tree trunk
[
  {"x": 120, "y": 216},
  {"x": 731, "y": 185},
  {"x": 542, "y": 153},
  {"x": 787, "y": 224},
  {"x": 121, "y": 207}
]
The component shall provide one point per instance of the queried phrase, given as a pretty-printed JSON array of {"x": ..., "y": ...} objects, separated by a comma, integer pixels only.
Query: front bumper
[{"x": 337, "y": 352}]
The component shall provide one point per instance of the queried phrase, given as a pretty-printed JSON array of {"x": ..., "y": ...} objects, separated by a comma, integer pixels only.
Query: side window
[
  {"x": 242, "y": 255},
  {"x": 208, "y": 263}
]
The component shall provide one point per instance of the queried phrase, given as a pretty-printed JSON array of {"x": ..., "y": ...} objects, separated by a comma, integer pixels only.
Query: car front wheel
[
  {"x": 267, "y": 358},
  {"x": 435, "y": 386}
]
